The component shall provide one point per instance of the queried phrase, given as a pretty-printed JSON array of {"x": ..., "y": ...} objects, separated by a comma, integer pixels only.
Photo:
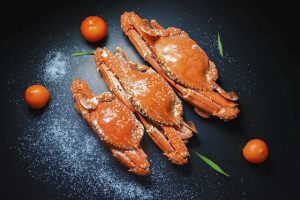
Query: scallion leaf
[
  {"x": 82, "y": 53},
  {"x": 212, "y": 164},
  {"x": 220, "y": 47}
]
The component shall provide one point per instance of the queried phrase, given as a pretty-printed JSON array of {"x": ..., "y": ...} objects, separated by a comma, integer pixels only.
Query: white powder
[
  {"x": 55, "y": 67},
  {"x": 139, "y": 88},
  {"x": 104, "y": 54},
  {"x": 74, "y": 160}
]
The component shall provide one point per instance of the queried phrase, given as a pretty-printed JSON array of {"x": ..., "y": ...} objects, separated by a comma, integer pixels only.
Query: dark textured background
[{"x": 266, "y": 37}]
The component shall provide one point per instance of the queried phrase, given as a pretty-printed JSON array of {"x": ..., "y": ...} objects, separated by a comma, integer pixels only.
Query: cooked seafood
[
  {"x": 115, "y": 124},
  {"x": 181, "y": 62},
  {"x": 146, "y": 93}
]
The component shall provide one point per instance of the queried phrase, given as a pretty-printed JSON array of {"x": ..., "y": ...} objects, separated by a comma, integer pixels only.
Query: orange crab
[
  {"x": 115, "y": 124},
  {"x": 181, "y": 61},
  {"x": 146, "y": 93}
]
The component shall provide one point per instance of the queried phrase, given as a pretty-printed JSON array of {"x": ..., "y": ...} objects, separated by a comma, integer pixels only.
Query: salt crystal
[
  {"x": 55, "y": 66},
  {"x": 104, "y": 54}
]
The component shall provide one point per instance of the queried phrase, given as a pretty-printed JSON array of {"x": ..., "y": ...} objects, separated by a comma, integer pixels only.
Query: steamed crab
[
  {"x": 113, "y": 123},
  {"x": 144, "y": 92},
  {"x": 181, "y": 61}
]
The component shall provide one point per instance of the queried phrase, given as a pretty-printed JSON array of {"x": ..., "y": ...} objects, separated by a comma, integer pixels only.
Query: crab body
[
  {"x": 181, "y": 62},
  {"x": 113, "y": 123},
  {"x": 147, "y": 91}
]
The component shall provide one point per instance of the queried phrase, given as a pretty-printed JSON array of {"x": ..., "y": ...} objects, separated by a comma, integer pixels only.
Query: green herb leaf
[
  {"x": 211, "y": 164},
  {"x": 220, "y": 46},
  {"x": 82, "y": 53}
]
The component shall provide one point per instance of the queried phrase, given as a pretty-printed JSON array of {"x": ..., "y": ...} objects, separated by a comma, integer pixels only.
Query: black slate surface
[{"x": 52, "y": 154}]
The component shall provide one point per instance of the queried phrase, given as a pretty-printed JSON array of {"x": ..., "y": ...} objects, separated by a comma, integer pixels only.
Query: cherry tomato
[
  {"x": 256, "y": 151},
  {"x": 93, "y": 28},
  {"x": 37, "y": 96}
]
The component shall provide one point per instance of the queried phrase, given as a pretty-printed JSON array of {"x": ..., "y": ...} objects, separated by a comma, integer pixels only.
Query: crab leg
[
  {"x": 172, "y": 147},
  {"x": 169, "y": 141},
  {"x": 186, "y": 130},
  {"x": 156, "y": 25},
  {"x": 207, "y": 101},
  {"x": 205, "y": 106},
  {"x": 212, "y": 76},
  {"x": 86, "y": 104}
]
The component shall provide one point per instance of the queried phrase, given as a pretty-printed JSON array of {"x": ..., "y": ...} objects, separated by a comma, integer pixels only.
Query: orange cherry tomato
[
  {"x": 37, "y": 96},
  {"x": 93, "y": 28},
  {"x": 256, "y": 151}
]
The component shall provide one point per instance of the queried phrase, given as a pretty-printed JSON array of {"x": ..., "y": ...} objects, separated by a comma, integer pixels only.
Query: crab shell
[
  {"x": 150, "y": 94},
  {"x": 114, "y": 123},
  {"x": 181, "y": 61}
]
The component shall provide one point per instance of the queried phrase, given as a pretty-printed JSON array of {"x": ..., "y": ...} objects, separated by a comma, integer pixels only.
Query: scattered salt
[
  {"x": 104, "y": 54},
  {"x": 55, "y": 66},
  {"x": 71, "y": 157},
  {"x": 62, "y": 151}
]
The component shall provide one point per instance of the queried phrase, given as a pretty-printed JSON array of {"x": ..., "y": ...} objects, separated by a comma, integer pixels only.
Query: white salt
[{"x": 55, "y": 66}]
